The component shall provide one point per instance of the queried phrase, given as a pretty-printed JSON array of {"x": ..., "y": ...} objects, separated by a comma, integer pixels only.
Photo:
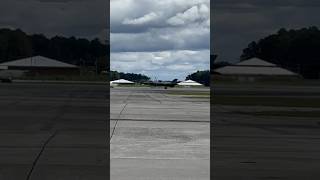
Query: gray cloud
[
  {"x": 237, "y": 23},
  {"x": 162, "y": 39},
  {"x": 164, "y": 64},
  {"x": 168, "y": 38},
  {"x": 83, "y": 18}
]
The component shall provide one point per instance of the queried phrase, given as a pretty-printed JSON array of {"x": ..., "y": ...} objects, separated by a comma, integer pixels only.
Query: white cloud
[
  {"x": 167, "y": 38},
  {"x": 179, "y": 38},
  {"x": 199, "y": 12},
  {"x": 163, "y": 64},
  {"x": 151, "y": 17},
  {"x": 181, "y": 67},
  {"x": 153, "y": 14}
]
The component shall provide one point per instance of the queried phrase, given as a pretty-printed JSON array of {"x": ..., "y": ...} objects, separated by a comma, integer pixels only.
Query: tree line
[
  {"x": 297, "y": 50},
  {"x": 16, "y": 44},
  {"x": 202, "y": 77},
  {"x": 114, "y": 75}
]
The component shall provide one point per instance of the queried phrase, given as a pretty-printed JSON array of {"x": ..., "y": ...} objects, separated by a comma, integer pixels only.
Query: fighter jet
[{"x": 164, "y": 84}]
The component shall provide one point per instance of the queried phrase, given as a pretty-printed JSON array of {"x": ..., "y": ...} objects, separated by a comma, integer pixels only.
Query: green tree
[
  {"x": 15, "y": 44},
  {"x": 297, "y": 50},
  {"x": 202, "y": 77},
  {"x": 114, "y": 75}
]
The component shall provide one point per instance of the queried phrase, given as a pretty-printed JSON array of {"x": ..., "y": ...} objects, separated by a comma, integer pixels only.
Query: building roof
[
  {"x": 254, "y": 66},
  {"x": 37, "y": 61},
  {"x": 121, "y": 81},
  {"x": 189, "y": 83},
  {"x": 238, "y": 70},
  {"x": 255, "y": 62}
]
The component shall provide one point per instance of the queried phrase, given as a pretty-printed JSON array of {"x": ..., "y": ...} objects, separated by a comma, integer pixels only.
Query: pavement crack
[
  {"x": 116, "y": 123},
  {"x": 43, "y": 147}
]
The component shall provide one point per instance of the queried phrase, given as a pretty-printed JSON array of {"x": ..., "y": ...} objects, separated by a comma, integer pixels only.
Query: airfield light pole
[
  {"x": 155, "y": 80},
  {"x": 96, "y": 63}
]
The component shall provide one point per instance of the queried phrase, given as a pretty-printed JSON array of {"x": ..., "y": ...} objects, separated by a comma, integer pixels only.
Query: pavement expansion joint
[
  {"x": 35, "y": 162},
  {"x": 115, "y": 126}
]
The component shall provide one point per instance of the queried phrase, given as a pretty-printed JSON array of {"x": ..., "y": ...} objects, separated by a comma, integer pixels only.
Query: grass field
[
  {"x": 190, "y": 94},
  {"x": 85, "y": 77},
  {"x": 271, "y": 81},
  {"x": 267, "y": 101},
  {"x": 307, "y": 114}
]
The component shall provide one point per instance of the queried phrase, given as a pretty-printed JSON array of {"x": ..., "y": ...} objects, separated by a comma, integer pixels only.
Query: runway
[
  {"x": 159, "y": 136},
  {"x": 58, "y": 131},
  {"x": 53, "y": 131},
  {"x": 253, "y": 142}
]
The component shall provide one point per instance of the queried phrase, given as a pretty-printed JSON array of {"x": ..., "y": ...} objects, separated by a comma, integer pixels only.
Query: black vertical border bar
[
  {"x": 211, "y": 92},
  {"x": 108, "y": 87}
]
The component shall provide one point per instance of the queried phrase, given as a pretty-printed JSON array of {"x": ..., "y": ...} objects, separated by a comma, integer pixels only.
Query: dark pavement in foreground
[
  {"x": 53, "y": 132},
  {"x": 66, "y": 126},
  {"x": 264, "y": 147}
]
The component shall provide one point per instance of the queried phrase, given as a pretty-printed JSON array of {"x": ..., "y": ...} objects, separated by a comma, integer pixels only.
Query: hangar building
[
  {"x": 254, "y": 68},
  {"x": 189, "y": 83},
  {"x": 39, "y": 65}
]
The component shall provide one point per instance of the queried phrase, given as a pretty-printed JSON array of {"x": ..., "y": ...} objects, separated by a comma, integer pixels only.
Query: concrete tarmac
[
  {"x": 266, "y": 147},
  {"x": 53, "y": 131},
  {"x": 159, "y": 136}
]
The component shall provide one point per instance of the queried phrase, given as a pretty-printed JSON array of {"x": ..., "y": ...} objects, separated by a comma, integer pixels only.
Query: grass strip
[{"x": 266, "y": 101}]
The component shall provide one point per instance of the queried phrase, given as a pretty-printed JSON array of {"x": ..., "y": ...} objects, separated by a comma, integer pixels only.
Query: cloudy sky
[
  {"x": 80, "y": 18},
  {"x": 164, "y": 39},
  {"x": 238, "y": 22}
]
